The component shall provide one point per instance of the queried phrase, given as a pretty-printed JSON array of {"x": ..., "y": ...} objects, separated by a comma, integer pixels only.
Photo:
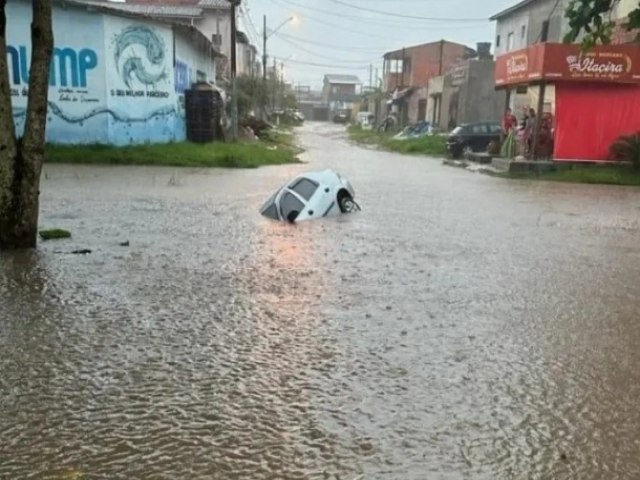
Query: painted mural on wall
[
  {"x": 76, "y": 86},
  {"x": 140, "y": 82}
]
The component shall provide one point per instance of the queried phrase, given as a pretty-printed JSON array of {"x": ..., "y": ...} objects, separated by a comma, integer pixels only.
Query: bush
[
  {"x": 626, "y": 149},
  {"x": 54, "y": 234}
]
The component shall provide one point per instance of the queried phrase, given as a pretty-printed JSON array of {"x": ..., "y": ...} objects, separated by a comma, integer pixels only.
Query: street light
[
  {"x": 234, "y": 98},
  {"x": 265, "y": 37},
  {"x": 273, "y": 32}
]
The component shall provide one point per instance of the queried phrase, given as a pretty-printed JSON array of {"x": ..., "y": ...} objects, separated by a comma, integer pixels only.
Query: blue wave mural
[
  {"x": 133, "y": 67},
  {"x": 116, "y": 115}
]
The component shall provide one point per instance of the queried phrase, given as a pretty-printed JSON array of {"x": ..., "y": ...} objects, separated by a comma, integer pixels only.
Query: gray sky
[{"x": 342, "y": 39}]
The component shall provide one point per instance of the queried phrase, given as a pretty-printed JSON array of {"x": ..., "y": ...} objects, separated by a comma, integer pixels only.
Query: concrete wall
[
  {"x": 436, "y": 87},
  {"x": 478, "y": 100},
  {"x": 526, "y": 25},
  {"x": 624, "y": 7},
  {"x": 113, "y": 79},
  {"x": 78, "y": 90},
  {"x": 215, "y": 21},
  {"x": 414, "y": 104},
  {"x": 426, "y": 61}
]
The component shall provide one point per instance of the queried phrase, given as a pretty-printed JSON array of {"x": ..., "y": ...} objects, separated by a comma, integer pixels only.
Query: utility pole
[
  {"x": 403, "y": 60},
  {"x": 234, "y": 96},
  {"x": 275, "y": 83},
  {"x": 441, "y": 57},
  {"x": 541, "y": 94},
  {"x": 264, "y": 67},
  {"x": 370, "y": 77},
  {"x": 281, "y": 85}
]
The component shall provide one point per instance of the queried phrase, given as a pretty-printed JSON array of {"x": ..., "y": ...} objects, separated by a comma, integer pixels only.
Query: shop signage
[{"x": 560, "y": 62}]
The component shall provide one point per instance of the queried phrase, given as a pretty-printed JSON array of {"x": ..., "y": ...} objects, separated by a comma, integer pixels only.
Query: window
[
  {"x": 495, "y": 128},
  {"x": 510, "y": 42},
  {"x": 289, "y": 204},
  {"x": 406, "y": 65},
  {"x": 305, "y": 188},
  {"x": 498, "y": 41},
  {"x": 479, "y": 129},
  {"x": 271, "y": 212},
  {"x": 523, "y": 32}
]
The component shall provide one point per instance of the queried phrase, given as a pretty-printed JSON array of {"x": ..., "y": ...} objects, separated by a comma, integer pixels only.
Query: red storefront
[{"x": 597, "y": 93}]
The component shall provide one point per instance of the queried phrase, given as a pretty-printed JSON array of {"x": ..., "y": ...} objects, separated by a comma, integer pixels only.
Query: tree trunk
[{"x": 21, "y": 160}]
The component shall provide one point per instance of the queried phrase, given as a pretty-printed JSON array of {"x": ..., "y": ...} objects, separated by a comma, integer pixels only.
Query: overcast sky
[{"x": 337, "y": 38}]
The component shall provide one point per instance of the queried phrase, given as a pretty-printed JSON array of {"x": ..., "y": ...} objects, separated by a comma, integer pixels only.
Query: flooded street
[{"x": 460, "y": 327}]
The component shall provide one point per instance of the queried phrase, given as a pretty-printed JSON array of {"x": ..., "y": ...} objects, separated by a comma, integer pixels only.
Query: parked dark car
[
  {"x": 472, "y": 137},
  {"x": 341, "y": 117}
]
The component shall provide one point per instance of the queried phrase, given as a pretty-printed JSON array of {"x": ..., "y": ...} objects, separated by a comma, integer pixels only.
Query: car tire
[{"x": 346, "y": 204}]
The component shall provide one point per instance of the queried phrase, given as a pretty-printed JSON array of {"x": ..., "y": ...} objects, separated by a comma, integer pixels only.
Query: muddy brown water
[{"x": 460, "y": 327}]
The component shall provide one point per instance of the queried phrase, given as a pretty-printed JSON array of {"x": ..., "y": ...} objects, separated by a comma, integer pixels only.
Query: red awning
[{"x": 567, "y": 63}]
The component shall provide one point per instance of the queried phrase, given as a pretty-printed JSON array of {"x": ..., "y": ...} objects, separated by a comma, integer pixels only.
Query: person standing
[
  {"x": 530, "y": 127},
  {"x": 509, "y": 122}
]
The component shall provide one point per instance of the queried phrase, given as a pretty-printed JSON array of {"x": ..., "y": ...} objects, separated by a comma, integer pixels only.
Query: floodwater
[{"x": 460, "y": 327}]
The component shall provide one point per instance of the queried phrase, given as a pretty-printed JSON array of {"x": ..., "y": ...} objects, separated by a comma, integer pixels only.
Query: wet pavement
[{"x": 460, "y": 327}]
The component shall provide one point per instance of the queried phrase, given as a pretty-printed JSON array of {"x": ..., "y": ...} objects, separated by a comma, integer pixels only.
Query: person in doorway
[
  {"x": 530, "y": 127},
  {"x": 509, "y": 122}
]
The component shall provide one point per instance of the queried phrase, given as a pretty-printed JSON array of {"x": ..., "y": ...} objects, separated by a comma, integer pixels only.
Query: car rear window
[
  {"x": 457, "y": 130},
  {"x": 305, "y": 188},
  {"x": 289, "y": 203},
  {"x": 271, "y": 212}
]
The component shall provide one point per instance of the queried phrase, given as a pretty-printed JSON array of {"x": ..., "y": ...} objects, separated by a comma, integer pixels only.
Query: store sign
[{"x": 554, "y": 62}]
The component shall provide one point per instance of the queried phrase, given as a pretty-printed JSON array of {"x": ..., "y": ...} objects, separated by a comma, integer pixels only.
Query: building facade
[
  {"x": 340, "y": 92},
  {"x": 407, "y": 72},
  {"x": 115, "y": 79},
  {"x": 211, "y": 17},
  {"x": 520, "y": 26},
  {"x": 466, "y": 93}
]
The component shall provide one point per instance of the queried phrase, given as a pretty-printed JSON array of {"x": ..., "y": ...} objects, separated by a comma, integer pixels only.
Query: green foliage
[
  {"x": 626, "y": 149},
  {"x": 595, "y": 174},
  {"x": 252, "y": 94},
  {"x": 591, "y": 18},
  {"x": 54, "y": 234},
  {"x": 183, "y": 154},
  {"x": 432, "y": 145}
]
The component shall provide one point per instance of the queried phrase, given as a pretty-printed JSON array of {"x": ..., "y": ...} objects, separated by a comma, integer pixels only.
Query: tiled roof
[
  {"x": 512, "y": 9},
  {"x": 181, "y": 9},
  {"x": 342, "y": 78},
  {"x": 214, "y": 4}
]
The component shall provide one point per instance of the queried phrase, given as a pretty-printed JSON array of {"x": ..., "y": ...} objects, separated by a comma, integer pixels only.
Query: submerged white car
[{"x": 312, "y": 195}]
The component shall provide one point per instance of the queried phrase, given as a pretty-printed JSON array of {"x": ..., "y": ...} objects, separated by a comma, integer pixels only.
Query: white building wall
[
  {"x": 623, "y": 8},
  {"x": 512, "y": 27}
]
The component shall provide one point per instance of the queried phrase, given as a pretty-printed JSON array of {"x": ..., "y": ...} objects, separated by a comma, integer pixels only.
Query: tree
[
  {"x": 21, "y": 158},
  {"x": 592, "y": 17}
]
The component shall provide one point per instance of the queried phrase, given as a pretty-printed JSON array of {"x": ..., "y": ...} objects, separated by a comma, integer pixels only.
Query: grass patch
[
  {"x": 433, "y": 146},
  {"x": 280, "y": 150},
  {"x": 595, "y": 174},
  {"x": 54, "y": 234}
]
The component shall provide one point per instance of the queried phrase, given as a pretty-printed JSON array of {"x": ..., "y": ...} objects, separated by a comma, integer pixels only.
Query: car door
[
  {"x": 495, "y": 132},
  {"x": 291, "y": 206},
  {"x": 318, "y": 201},
  {"x": 479, "y": 137}
]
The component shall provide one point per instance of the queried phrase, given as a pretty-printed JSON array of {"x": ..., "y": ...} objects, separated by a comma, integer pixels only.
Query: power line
[
  {"x": 326, "y": 65},
  {"x": 333, "y": 46},
  {"x": 413, "y": 17},
  {"x": 548, "y": 19},
  {"x": 329, "y": 24},
  {"x": 373, "y": 21},
  {"x": 333, "y": 59}
]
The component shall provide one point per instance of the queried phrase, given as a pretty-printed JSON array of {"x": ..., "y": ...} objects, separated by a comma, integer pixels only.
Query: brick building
[{"x": 407, "y": 73}]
